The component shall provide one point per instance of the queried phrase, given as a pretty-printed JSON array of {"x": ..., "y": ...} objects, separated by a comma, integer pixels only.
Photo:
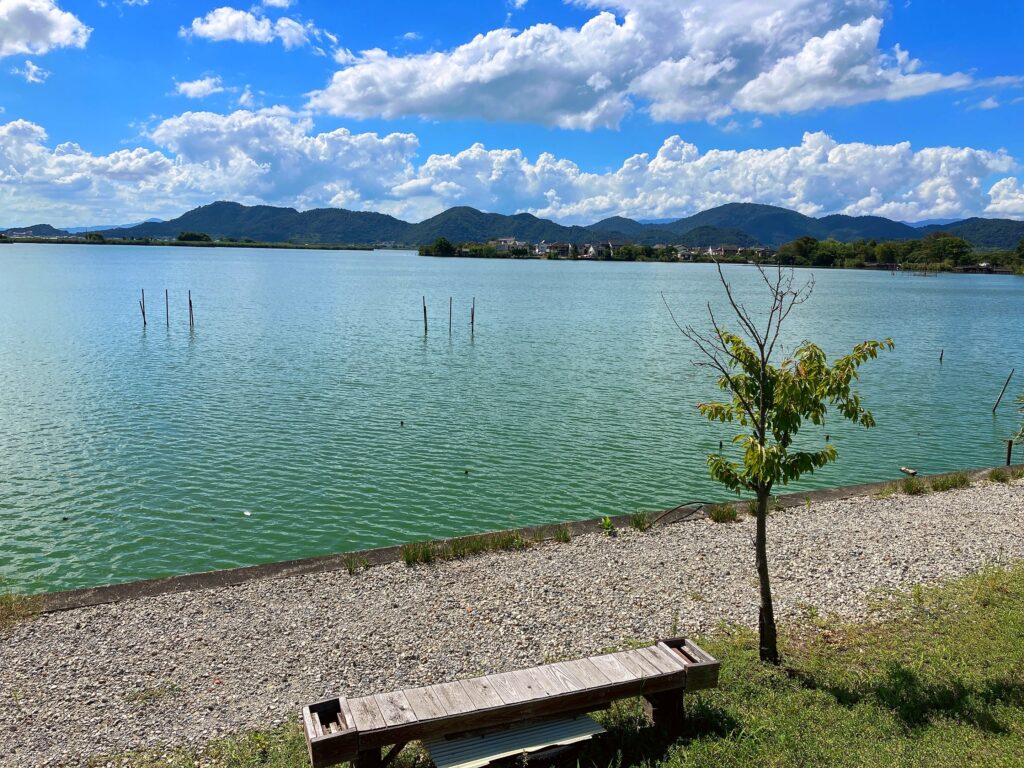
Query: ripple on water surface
[{"x": 128, "y": 453}]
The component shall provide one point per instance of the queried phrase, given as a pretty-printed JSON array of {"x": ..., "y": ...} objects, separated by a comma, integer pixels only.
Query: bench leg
[
  {"x": 368, "y": 758},
  {"x": 667, "y": 712}
]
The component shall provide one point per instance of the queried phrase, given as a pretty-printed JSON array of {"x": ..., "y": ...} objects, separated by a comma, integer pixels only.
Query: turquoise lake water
[{"x": 128, "y": 453}]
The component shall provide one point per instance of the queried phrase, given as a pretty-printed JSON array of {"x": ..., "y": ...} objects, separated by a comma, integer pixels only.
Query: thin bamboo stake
[
  {"x": 142, "y": 307},
  {"x": 424, "y": 316},
  {"x": 191, "y": 317},
  {"x": 167, "y": 308},
  {"x": 941, "y": 353},
  {"x": 449, "y": 315},
  {"x": 1003, "y": 391},
  {"x": 472, "y": 317}
]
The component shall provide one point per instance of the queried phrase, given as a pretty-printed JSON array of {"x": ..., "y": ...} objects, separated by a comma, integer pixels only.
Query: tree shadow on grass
[
  {"x": 631, "y": 740},
  {"x": 917, "y": 702}
]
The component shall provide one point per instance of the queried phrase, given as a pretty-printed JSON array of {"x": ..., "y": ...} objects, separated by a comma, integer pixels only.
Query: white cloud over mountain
[
  {"x": 37, "y": 26},
  {"x": 276, "y": 157},
  {"x": 693, "y": 60}
]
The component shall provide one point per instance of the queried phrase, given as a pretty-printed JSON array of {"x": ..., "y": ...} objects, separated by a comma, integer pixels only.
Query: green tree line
[{"x": 936, "y": 251}]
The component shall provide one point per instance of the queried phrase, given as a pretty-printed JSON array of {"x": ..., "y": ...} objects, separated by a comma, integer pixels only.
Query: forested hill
[{"x": 730, "y": 224}]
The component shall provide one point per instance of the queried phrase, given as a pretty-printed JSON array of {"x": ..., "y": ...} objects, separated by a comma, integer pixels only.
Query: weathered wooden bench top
[{"x": 340, "y": 729}]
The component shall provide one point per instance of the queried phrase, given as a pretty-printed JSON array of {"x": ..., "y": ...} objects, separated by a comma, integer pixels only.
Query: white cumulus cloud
[
  {"x": 274, "y": 156},
  {"x": 692, "y": 60},
  {"x": 200, "y": 89},
  {"x": 37, "y": 26},
  {"x": 228, "y": 23}
]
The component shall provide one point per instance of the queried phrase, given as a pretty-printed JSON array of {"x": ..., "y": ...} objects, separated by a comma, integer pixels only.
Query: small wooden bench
[{"x": 343, "y": 729}]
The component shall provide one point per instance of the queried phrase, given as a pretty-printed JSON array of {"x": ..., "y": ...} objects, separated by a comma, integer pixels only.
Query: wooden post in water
[
  {"x": 424, "y": 316},
  {"x": 142, "y": 307},
  {"x": 1003, "y": 391},
  {"x": 191, "y": 318},
  {"x": 1009, "y": 452},
  {"x": 449, "y": 315},
  {"x": 941, "y": 353},
  {"x": 167, "y": 307},
  {"x": 472, "y": 317}
]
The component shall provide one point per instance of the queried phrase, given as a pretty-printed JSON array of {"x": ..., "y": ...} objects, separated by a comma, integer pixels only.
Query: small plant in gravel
[
  {"x": 562, "y": 534},
  {"x": 16, "y": 607},
  {"x": 914, "y": 486},
  {"x": 641, "y": 521},
  {"x": 153, "y": 693},
  {"x": 355, "y": 563},
  {"x": 417, "y": 552},
  {"x": 723, "y": 513},
  {"x": 509, "y": 540},
  {"x": 999, "y": 476},
  {"x": 607, "y": 526},
  {"x": 951, "y": 482},
  {"x": 889, "y": 489}
]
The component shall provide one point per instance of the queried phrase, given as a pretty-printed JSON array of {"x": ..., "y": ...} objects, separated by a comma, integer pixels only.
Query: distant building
[
  {"x": 548, "y": 250},
  {"x": 507, "y": 244}
]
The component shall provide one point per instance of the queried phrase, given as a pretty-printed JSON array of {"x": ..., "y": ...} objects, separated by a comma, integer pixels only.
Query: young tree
[{"x": 770, "y": 402}]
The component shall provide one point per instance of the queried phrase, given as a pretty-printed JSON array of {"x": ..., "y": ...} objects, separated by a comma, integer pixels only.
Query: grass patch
[
  {"x": 16, "y": 607},
  {"x": 562, "y": 534},
  {"x": 417, "y": 552},
  {"x": 641, "y": 520},
  {"x": 951, "y": 482},
  {"x": 607, "y": 526},
  {"x": 889, "y": 489},
  {"x": 424, "y": 552},
  {"x": 354, "y": 563},
  {"x": 914, "y": 486},
  {"x": 722, "y": 513},
  {"x": 999, "y": 476},
  {"x": 937, "y": 681}
]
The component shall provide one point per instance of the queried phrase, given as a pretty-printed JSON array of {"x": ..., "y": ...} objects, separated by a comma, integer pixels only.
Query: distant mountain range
[
  {"x": 102, "y": 227},
  {"x": 732, "y": 224}
]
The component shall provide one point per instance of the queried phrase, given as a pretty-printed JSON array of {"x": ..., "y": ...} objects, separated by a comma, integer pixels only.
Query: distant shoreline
[
  {"x": 200, "y": 244},
  {"x": 908, "y": 269}
]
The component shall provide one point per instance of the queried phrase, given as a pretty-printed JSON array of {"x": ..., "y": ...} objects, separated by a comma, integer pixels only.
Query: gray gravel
[{"x": 181, "y": 669}]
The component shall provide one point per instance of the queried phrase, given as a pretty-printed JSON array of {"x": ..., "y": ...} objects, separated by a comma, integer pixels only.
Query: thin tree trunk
[{"x": 766, "y": 618}]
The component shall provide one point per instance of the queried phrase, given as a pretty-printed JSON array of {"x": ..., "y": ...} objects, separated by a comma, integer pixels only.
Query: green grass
[
  {"x": 889, "y": 489},
  {"x": 950, "y": 482},
  {"x": 16, "y": 607},
  {"x": 641, "y": 521},
  {"x": 914, "y": 486},
  {"x": 562, "y": 534},
  {"x": 938, "y": 680},
  {"x": 424, "y": 552},
  {"x": 999, "y": 476},
  {"x": 722, "y": 513}
]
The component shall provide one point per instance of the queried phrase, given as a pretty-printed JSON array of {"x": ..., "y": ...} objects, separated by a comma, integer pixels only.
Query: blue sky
[{"x": 114, "y": 111}]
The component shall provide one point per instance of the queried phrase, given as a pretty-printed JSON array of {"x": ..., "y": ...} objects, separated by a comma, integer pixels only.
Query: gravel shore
[{"x": 180, "y": 669}]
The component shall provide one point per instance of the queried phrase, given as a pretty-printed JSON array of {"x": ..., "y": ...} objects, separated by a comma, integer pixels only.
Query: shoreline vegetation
[
  {"x": 188, "y": 243},
  {"x": 903, "y": 687},
  {"x": 885, "y": 628},
  {"x": 936, "y": 252}
]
